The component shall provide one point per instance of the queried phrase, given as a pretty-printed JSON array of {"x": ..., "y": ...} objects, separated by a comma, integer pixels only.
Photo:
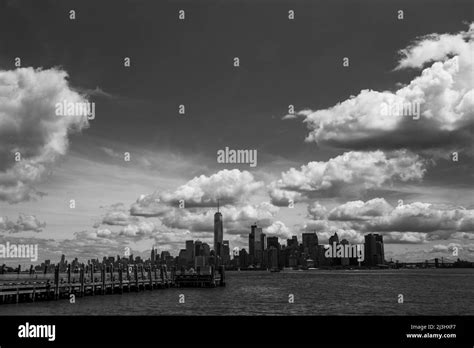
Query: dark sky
[{"x": 174, "y": 62}]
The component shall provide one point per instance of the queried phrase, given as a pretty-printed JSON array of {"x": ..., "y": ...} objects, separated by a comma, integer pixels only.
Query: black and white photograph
[{"x": 297, "y": 164}]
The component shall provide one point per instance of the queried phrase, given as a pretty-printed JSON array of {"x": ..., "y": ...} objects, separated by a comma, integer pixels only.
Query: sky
[{"x": 337, "y": 164}]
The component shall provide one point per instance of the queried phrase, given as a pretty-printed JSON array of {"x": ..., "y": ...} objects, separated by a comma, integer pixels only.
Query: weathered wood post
[
  {"x": 150, "y": 278},
  {"x": 156, "y": 275},
  {"x": 69, "y": 274},
  {"x": 103, "y": 275},
  {"x": 81, "y": 279},
  {"x": 92, "y": 279},
  {"x": 143, "y": 276},
  {"x": 120, "y": 278},
  {"x": 128, "y": 272},
  {"x": 222, "y": 272},
  {"x": 173, "y": 275},
  {"x": 135, "y": 271},
  {"x": 162, "y": 275},
  {"x": 56, "y": 282},
  {"x": 69, "y": 278},
  {"x": 112, "y": 279}
]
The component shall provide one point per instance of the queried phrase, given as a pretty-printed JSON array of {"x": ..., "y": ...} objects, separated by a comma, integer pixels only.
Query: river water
[{"x": 314, "y": 292}]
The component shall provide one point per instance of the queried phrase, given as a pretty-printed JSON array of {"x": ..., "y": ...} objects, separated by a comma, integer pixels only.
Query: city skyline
[{"x": 262, "y": 253}]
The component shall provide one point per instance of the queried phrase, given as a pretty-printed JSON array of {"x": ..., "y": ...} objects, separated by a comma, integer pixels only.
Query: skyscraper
[
  {"x": 225, "y": 252},
  {"x": 310, "y": 245},
  {"x": 206, "y": 250},
  {"x": 218, "y": 232},
  {"x": 258, "y": 245},
  {"x": 374, "y": 250},
  {"x": 293, "y": 242},
  {"x": 252, "y": 244},
  {"x": 190, "y": 252},
  {"x": 153, "y": 255},
  {"x": 198, "y": 248},
  {"x": 334, "y": 239},
  {"x": 273, "y": 241},
  {"x": 379, "y": 249}
]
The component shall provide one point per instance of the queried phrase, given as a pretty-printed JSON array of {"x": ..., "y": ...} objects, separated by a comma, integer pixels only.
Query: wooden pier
[
  {"x": 199, "y": 280},
  {"x": 24, "y": 287}
]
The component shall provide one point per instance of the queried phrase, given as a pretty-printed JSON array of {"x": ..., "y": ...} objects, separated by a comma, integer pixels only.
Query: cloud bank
[{"x": 30, "y": 126}]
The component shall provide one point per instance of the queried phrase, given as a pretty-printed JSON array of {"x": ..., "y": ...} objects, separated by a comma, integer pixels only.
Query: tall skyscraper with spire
[{"x": 218, "y": 232}]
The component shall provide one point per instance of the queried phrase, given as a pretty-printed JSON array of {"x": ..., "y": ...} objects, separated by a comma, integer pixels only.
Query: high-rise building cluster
[
  {"x": 264, "y": 252},
  {"x": 267, "y": 252}
]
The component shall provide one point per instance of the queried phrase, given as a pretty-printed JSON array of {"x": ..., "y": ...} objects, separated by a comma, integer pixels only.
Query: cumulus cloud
[
  {"x": 359, "y": 210},
  {"x": 236, "y": 219},
  {"x": 121, "y": 218},
  {"x": 406, "y": 223},
  {"x": 317, "y": 211},
  {"x": 445, "y": 248},
  {"x": 149, "y": 206},
  {"x": 23, "y": 223},
  {"x": 441, "y": 222},
  {"x": 404, "y": 238},
  {"x": 278, "y": 229},
  {"x": 326, "y": 229},
  {"x": 30, "y": 126},
  {"x": 229, "y": 186},
  {"x": 444, "y": 92},
  {"x": 139, "y": 230},
  {"x": 353, "y": 170}
]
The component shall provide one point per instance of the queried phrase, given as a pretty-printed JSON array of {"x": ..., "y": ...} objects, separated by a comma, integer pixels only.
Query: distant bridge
[{"x": 429, "y": 263}]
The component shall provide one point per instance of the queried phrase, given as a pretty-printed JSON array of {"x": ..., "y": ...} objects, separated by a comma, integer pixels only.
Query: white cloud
[
  {"x": 359, "y": 210},
  {"x": 354, "y": 170},
  {"x": 278, "y": 229},
  {"x": 229, "y": 186},
  {"x": 29, "y": 125},
  {"x": 411, "y": 222},
  {"x": 446, "y": 247},
  {"x": 444, "y": 92},
  {"x": 139, "y": 230},
  {"x": 317, "y": 211},
  {"x": 236, "y": 219},
  {"x": 421, "y": 217},
  {"x": 23, "y": 223},
  {"x": 120, "y": 218}
]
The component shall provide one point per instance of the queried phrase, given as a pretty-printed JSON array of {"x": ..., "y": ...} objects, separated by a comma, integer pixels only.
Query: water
[{"x": 316, "y": 292}]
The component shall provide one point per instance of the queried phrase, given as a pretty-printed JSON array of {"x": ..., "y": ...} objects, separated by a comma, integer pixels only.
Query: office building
[
  {"x": 190, "y": 252},
  {"x": 374, "y": 250},
  {"x": 218, "y": 232},
  {"x": 225, "y": 252}
]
